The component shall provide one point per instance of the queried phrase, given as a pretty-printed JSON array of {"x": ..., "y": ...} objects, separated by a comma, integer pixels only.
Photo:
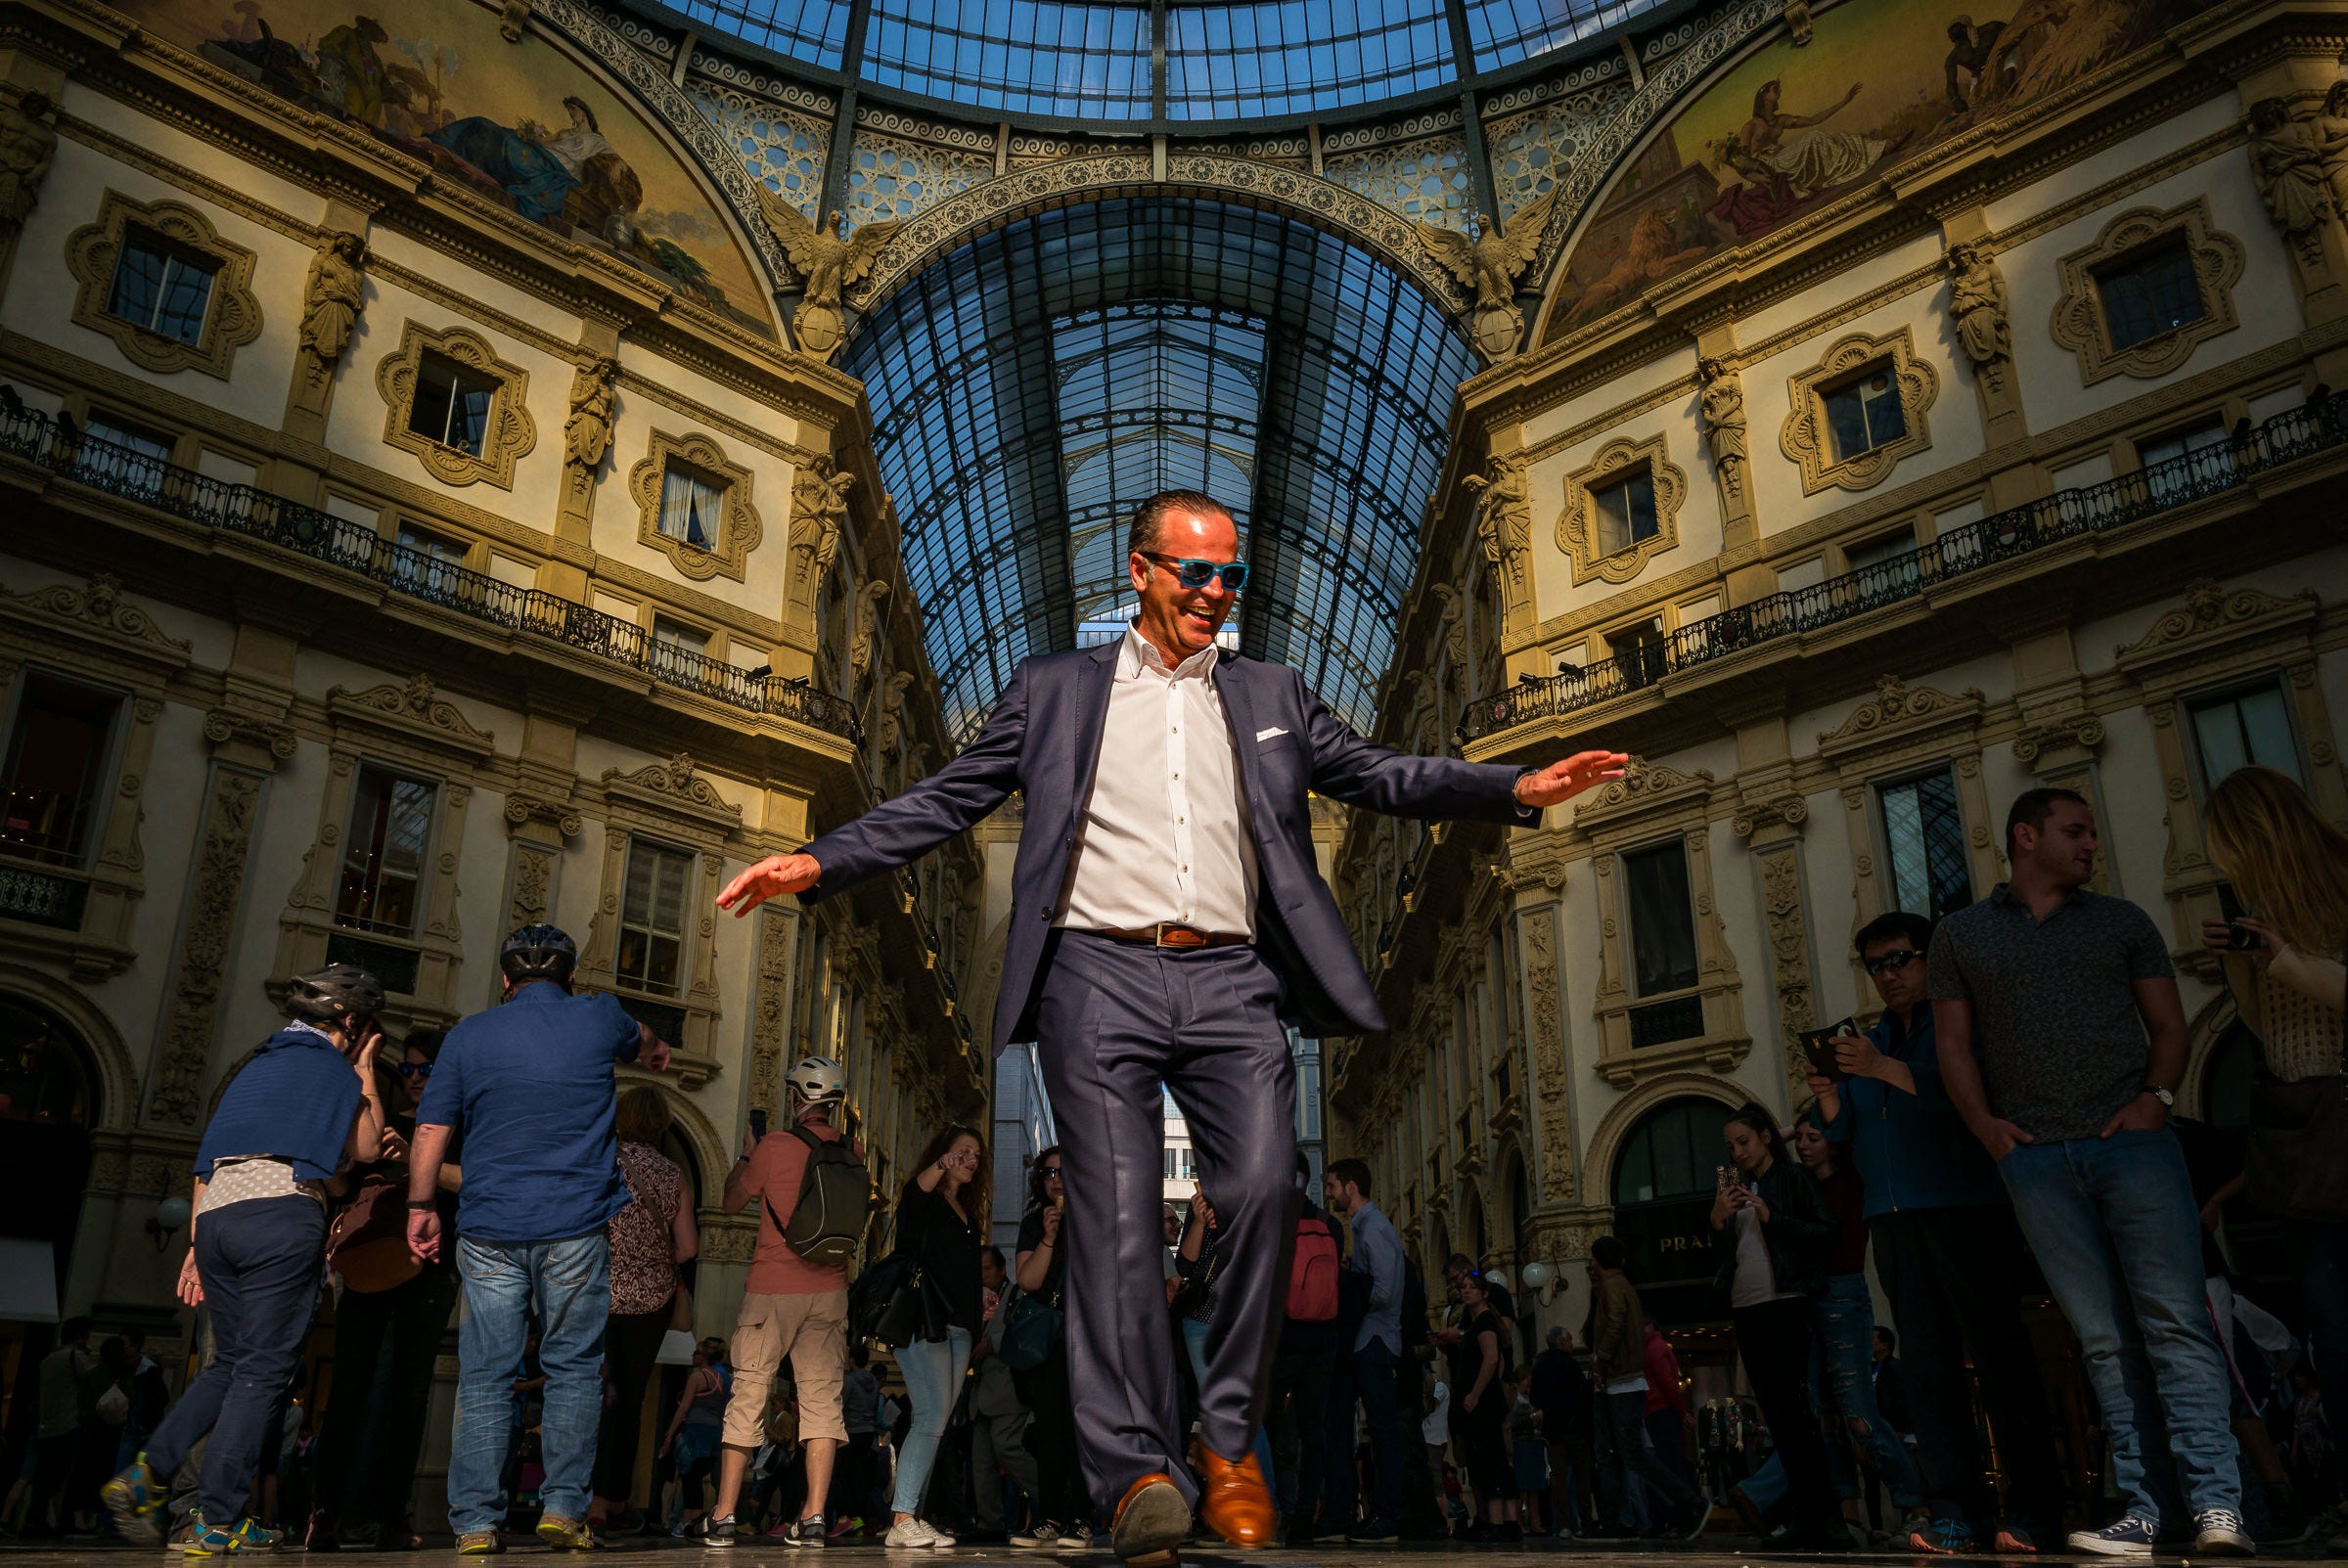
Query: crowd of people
[{"x": 2005, "y": 1122}]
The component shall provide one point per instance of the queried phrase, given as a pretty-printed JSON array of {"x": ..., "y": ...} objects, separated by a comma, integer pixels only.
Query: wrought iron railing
[
  {"x": 1659, "y": 1023},
  {"x": 2157, "y": 487},
  {"x": 354, "y": 547},
  {"x": 41, "y": 898}
]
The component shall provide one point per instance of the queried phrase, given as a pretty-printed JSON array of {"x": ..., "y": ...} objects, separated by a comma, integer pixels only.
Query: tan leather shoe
[
  {"x": 1151, "y": 1522},
  {"x": 1233, "y": 1499}
]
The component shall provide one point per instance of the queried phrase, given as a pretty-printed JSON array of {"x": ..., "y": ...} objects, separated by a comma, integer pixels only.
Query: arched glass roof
[
  {"x": 1028, "y": 390},
  {"x": 1093, "y": 60}
]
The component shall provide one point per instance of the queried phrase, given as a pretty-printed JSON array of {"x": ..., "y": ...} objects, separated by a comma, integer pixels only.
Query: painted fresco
[
  {"x": 521, "y": 123},
  {"x": 1790, "y": 129}
]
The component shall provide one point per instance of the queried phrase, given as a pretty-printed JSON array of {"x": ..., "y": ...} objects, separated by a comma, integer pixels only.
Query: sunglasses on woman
[
  {"x": 1193, "y": 572},
  {"x": 415, "y": 1069}
]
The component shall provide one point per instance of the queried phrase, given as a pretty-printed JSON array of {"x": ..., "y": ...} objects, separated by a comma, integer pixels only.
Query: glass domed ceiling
[{"x": 1222, "y": 59}]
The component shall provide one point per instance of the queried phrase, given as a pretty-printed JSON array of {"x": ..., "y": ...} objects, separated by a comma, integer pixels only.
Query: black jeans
[
  {"x": 1775, "y": 1339},
  {"x": 1620, "y": 1443},
  {"x": 1298, "y": 1414},
  {"x": 1950, "y": 1276},
  {"x": 1061, "y": 1495},
  {"x": 260, "y": 1261},
  {"x": 631, "y": 1352},
  {"x": 385, "y": 1342}
]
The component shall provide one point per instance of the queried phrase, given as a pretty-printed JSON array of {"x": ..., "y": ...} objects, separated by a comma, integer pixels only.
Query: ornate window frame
[
  {"x": 1655, "y": 802},
  {"x": 741, "y": 530},
  {"x": 511, "y": 431},
  {"x": 80, "y": 633},
  {"x": 1804, "y": 437},
  {"x": 1577, "y": 525},
  {"x": 673, "y": 802},
  {"x": 232, "y": 315},
  {"x": 408, "y": 727},
  {"x": 2078, "y": 323}
]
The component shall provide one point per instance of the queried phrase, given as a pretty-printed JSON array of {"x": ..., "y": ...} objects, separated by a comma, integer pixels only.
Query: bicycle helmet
[
  {"x": 330, "y": 995},
  {"x": 819, "y": 1081},
  {"x": 538, "y": 952}
]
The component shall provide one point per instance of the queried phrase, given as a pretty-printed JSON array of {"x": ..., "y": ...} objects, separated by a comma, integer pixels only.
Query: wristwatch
[{"x": 2167, "y": 1097}]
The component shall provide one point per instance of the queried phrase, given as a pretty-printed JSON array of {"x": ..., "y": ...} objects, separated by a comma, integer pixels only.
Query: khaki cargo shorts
[{"x": 813, "y": 1332}]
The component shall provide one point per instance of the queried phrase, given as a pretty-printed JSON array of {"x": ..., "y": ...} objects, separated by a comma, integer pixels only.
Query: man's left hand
[
  {"x": 1563, "y": 780},
  {"x": 2143, "y": 1114}
]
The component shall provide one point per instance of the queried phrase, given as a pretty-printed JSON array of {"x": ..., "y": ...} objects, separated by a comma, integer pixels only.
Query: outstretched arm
[
  {"x": 1362, "y": 773},
  {"x": 901, "y": 830}
]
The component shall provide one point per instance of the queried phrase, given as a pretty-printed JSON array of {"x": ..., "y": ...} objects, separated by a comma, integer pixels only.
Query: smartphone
[
  {"x": 757, "y": 1125},
  {"x": 1817, "y": 1046}
]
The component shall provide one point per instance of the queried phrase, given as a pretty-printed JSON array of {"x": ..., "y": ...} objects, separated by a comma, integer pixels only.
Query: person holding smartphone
[{"x": 1946, "y": 1249}]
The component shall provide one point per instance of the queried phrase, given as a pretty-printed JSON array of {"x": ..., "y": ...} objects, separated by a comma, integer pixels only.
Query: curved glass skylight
[
  {"x": 1091, "y": 60},
  {"x": 1031, "y": 388}
]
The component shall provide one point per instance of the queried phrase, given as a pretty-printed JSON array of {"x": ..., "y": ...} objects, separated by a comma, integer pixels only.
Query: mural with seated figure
[
  {"x": 1794, "y": 127},
  {"x": 523, "y": 125}
]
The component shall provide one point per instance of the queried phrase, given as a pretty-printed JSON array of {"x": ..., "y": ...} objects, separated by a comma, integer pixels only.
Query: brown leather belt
[{"x": 1173, "y": 933}]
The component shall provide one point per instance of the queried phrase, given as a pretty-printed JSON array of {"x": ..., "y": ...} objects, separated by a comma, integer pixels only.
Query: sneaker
[
  {"x": 1076, "y": 1536},
  {"x": 807, "y": 1532},
  {"x": 2219, "y": 1533},
  {"x": 2125, "y": 1537},
  {"x": 845, "y": 1526},
  {"x": 1044, "y": 1535},
  {"x": 135, "y": 1499},
  {"x": 1371, "y": 1532},
  {"x": 481, "y": 1543},
  {"x": 913, "y": 1532},
  {"x": 218, "y": 1541},
  {"x": 565, "y": 1534},
  {"x": 717, "y": 1532}
]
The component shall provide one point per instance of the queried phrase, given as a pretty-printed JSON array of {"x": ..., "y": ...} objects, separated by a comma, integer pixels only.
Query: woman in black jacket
[{"x": 1771, "y": 1232}]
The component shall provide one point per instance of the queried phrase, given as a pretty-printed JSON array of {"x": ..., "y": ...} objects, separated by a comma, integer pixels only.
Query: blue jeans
[
  {"x": 2117, "y": 1233},
  {"x": 1193, "y": 1340},
  {"x": 566, "y": 1285},
  {"x": 932, "y": 1370},
  {"x": 261, "y": 1262},
  {"x": 1844, "y": 1315}
]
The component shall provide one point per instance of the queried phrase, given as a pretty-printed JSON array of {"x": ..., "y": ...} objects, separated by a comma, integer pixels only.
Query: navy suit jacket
[{"x": 1044, "y": 739}]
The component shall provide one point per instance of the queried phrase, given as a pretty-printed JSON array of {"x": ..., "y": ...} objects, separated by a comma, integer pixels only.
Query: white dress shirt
[{"x": 1165, "y": 834}]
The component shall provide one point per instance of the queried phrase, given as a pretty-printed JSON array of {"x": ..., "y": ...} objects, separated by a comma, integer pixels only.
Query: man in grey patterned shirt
[{"x": 2062, "y": 1041}]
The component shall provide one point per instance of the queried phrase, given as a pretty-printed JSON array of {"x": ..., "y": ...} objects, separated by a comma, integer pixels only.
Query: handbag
[
  {"x": 368, "y": 1242},
  {"x": 2297, "y": 1164},
  {"x": 1031, "y": 1328},
  {"x": 891, "y": 1304}
]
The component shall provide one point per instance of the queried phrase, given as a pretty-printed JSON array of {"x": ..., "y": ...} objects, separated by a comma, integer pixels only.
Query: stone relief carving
[
  {"x": 1895, "y": 702},
  {"x": 2082, "y": 730},
  {"x": 770, "y": 1027},
  {"x": 1503, "y": 521},
  {"x": 335, "y": 293},
  {"x": 675, "y": 779},
  {"x": 819, "y": 504},
  {"x": 866, "y": 637},
  {"x": 1788, "y": 956},
  {"x": 1720, "y": 399},
  {"x": 417, "y": 701},
  {"x": 587, "y": 431},
  {"x": 533, "y": 886},
  {"x": 1545, "y": 1015},
  {"x": 98, "y": 605},
  {"x": 1490, "y": 261},
  {"x": 2209, "y": 606},
  {"x": 827, "y": 261},
  {"x": 27, "y": 146},
  {"x": 1978, "y": 309},
  {"x": 186, "y": 1047},
  {"x": 2287, "y": 165},
  {"x": 524, "y": 808}
]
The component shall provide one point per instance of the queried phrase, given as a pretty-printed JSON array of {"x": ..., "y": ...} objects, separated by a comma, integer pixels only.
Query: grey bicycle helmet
[{"x": 330, "y": 995}]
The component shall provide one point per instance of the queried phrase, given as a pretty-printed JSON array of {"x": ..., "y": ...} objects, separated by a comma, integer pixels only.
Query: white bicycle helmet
[{"x": 819, "y": 1081}]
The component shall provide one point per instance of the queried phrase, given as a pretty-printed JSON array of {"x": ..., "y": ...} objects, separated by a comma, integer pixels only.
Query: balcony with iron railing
[
  {"x": 1962, "y": 552},
  {"x": 251, "y": 513}
]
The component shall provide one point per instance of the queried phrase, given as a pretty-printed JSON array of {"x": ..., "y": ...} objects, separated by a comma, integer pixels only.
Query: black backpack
[{"x": 835, "y": 1198}]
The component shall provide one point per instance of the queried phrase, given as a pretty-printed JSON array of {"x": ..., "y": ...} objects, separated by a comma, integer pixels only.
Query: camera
[{"x": 2240, "y": 938}]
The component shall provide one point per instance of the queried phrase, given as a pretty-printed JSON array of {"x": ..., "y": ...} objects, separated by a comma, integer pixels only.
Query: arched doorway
[
  {"x": 1664, "y": 1185},
  {"x": 48, "y": 1104}
]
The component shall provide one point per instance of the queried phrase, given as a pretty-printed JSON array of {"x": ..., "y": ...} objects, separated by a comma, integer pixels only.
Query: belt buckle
[{"x": 1169, "y": 929}]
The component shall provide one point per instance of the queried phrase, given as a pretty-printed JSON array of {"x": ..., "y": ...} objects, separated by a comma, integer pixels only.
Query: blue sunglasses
[{"x": 1193, "y": 572}]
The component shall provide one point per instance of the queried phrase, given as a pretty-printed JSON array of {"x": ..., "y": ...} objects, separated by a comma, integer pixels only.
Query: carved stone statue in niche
[
  {"x": 2288, "y": 168},
  {"x": 1505, "y": 519},
  {"x": 587, "y": 434},
  {"x": 819, "y": 502},
  {"x": 331, "y": 305},
  {"x": 1490, "y": 261},
  {"x": 1720, "y": 398},
  {"x": 829, "y": 261},
  {"x": 1977, "y": 307},
  {"x": 27, "y": 146}
]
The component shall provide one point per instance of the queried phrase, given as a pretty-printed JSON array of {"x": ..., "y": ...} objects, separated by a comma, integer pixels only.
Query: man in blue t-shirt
[{"x": 530, "y": 1084}]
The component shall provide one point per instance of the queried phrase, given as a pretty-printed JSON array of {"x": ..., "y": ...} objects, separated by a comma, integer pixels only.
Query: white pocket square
[{"x": 1262, "y": 735}]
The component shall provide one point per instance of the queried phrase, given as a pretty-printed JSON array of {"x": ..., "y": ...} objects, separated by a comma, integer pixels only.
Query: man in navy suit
[{"x": 1167, "y": 921}]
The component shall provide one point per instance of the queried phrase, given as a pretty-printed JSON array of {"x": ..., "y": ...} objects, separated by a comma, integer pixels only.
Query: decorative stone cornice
[
  {"x": 524, "y": 808},
  {"x": 1758, "y": 816},
  {"x": 1644, "y": 786},
  {"x": 226, "y": 727},
  {"x": 1898, "y": 710},
  {"x": 673, "y": 788},
  {"x": 2212, "y": 614},
  {"x": 97, "y": 607},
  {"x": 413, "y": 710},
  {"x": 2084, "y": 730}
]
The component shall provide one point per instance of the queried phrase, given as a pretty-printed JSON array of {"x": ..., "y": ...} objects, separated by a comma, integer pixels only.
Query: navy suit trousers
[{"x": 1116, "y": 1022}]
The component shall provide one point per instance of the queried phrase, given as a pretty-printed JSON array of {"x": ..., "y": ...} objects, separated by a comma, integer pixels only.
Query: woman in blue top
[{"x": 302, "y": 1106}]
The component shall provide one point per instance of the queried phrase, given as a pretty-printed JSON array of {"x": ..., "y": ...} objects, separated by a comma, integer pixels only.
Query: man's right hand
[
  {"x": 423, "y": 1233},
  {"x": 771, "y": 877},
  {"x": 2000, "y": 1138}
]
